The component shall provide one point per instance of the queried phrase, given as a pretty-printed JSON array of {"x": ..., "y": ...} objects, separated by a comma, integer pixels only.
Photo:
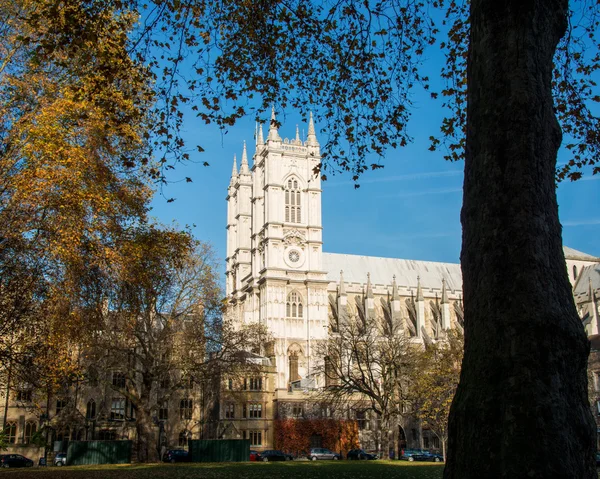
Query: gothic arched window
[
  {"x": 30, "y": 429},
  {"x": 293, "y": 305},
  {"x": 292, "y": 202},
  {"x": 90, "y": 412},
  {"x": 10, "y": 430}
]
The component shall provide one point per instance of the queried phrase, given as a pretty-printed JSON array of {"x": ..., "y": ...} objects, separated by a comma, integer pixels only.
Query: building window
[
  {"x": 574, "y": 272},
  {"x": 297, "y": 410},
  {"x": 256, "y": 384},
  {"x": 361, "y": 419},
  {"x": 60, "y": 405},
  {"x": 24, "y": 395},
  {"x": 185, "y": 408},
  {"x": 117, "y": 409},
  {"x": 107, "y": 435},
  {"x": 255, "y": 438},
  {"x": 229, "y": 411},
  {"x": 244, "y": 411},
  {"x": 165, "y": 382},
  {"x": 163, "y": 410},
  {"x": 230, "y": 384},
  {"x": 10, "y": 430},
  {"x": 254, "y": 411},
  {"x": 435, "y": 442},
  {"x": 184, "y": 438},
  {"x": 30, "y": 428},
  {"x": 293, "y": 306},
  {"x": 292, "y": 202},
  {"x": 414, "y": 434},
  {"x": 293, "y": 367},
  {"x": 90, "y": 410},
  {"x": 118, "y": 380}
]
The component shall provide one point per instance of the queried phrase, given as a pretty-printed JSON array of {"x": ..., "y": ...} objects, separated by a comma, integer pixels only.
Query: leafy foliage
[{"x": 434, "y": 388}]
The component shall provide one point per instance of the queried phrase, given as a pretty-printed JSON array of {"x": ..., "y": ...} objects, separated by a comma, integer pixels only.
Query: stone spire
[
  {"x": 369, "y": 288},
  {"x": 311, "y": 139},
  {"x": 244, "y": 170},
  {"x": 233, "y": 171},
  {"x": 445, "y": 307},
  {"x": 394, "y": 289},
  {"x": 259, "y": 135},
  {"x": 419, "y": 290},
  {"x": 342, "y": 286},
  {"x": 273, "y": 134},
  {"x": 444, "y": 292},
  {"x": 420, "y": 306}
]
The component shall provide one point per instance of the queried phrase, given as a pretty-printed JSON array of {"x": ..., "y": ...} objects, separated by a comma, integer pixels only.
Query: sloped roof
[
  {"x": 382, "y": 271},
  {"x": 573, "y": 254}
]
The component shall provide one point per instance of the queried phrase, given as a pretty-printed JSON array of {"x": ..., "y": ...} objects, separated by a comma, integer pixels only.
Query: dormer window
[{"x": 292, "y": 202}]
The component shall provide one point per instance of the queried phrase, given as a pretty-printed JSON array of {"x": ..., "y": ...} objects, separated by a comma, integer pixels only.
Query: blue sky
[{"x": 409, "y": 209}]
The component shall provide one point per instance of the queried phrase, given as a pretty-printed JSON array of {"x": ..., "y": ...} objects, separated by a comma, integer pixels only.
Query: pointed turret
[
  {"x": 420, "y": 306},
  {"x": 342, "y": 302},
  {"x": 297, "y": 140},
  {"x": 369, "y": 287},
  {"x": 394, "y": 289},
  {"x": 244, "y": 170},
  {"x": 419, "y": 290},
  {"x": 233, "y": 171},
  {"x": 445, "y": 307},
  {"x": 311, "y": 139},
  {"x": 273, "y": 134},
  {"x": 259, "y": 135},
  {"x": 395, "y": 301},
  {"x": 444, "y": 292}
]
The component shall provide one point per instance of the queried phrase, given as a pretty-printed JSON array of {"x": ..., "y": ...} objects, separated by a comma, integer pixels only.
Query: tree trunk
[
  {"x": 146, "y": 445},
  {"x": 521, "y": 408}
]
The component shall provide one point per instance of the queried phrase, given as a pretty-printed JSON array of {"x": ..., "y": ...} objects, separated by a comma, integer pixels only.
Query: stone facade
[{"x": 278, "y": 275}]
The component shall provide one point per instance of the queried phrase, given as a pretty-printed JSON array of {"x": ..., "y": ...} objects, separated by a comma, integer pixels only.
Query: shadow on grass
[{"x": 245, "y": 470}]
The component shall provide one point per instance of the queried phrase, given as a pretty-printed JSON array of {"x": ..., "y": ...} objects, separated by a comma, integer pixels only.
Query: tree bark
[{"x": 521, "y": 408}]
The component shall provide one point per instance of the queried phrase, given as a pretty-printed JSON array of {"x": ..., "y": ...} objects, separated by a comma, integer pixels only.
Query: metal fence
[
  {"x": 221, "y": 450},
  {"x": 98, "y": 452}
]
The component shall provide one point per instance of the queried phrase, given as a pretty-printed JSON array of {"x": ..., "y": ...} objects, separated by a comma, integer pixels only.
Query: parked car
[
  {"x": 421, "y": 455},
  {"x": 410, "y": 454},
  {"x": 598, "y": 459},
  {"x": 176, "y": 455},
  {"x": 15, "y": 460},
  {"x": 60, "y": 459},
  {"x": 322, "y": 453},
  {"x": 429, "y": 456},
  {"x": 273, "y": 455},
  {"x": 255, "y": 456},
  {"x": 359, "y": 455}
]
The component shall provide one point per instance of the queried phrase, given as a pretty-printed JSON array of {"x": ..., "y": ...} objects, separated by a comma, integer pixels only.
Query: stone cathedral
[{"x": 277, "y": 273}]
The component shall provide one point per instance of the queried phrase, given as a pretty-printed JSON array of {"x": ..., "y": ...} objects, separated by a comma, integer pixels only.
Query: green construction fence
[
  {"x": 220, "y": 450},
  {"x": 98, "y": 452}
]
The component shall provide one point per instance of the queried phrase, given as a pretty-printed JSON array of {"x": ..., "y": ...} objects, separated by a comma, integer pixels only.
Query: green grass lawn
[{"x": 284, "y": 470}]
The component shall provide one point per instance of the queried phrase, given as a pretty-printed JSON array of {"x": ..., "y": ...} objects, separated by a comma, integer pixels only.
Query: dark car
[
  {"x": 176, "y": 455},
  {"x": 359, "y": 455},
  {"x": 273, "y": 455},
  {"x": 318, "y": 453},
  {"x": 411, "y": 454},
  {"x": 255, "y": 456},
  {"x": 428, "y": 456},
  {"x": 15, "y": 460}
]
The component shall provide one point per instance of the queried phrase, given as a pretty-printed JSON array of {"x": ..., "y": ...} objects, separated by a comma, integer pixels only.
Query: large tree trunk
[{"x": 521, "y": 408}]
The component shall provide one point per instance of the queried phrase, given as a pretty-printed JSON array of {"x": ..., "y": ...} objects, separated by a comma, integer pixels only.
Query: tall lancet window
[
  {"x": 293, "y": 306},
  {"x": 292, "y": 202}
]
